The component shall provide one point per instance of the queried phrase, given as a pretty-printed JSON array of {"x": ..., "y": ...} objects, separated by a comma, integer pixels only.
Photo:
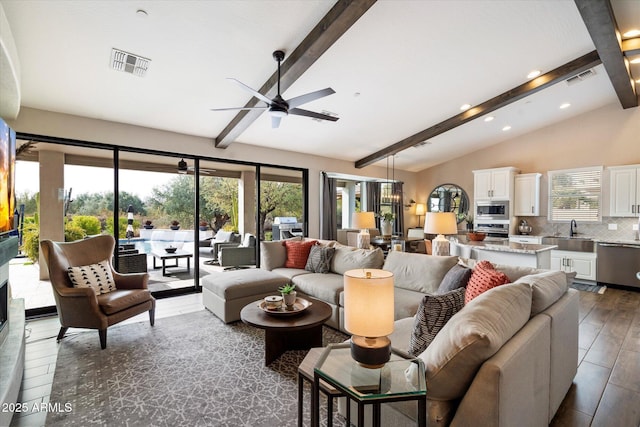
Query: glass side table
[{"x": 368, "y": 386}]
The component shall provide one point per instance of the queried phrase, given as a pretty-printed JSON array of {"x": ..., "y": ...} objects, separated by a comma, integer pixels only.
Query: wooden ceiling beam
[
  {"x": 601, "y": 23},
  {"x": 552, "y": 77},
  {"x": 332, "y": 26}
]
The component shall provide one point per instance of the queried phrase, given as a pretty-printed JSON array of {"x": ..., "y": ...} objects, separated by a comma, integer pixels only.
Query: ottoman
[{"x": 225, "y": 293}]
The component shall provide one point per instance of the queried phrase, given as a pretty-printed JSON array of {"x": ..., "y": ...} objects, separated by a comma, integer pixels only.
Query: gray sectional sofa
[{"x": 507, "y": 358}]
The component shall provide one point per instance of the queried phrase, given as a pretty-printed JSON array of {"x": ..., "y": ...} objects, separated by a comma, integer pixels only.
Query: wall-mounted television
[{"x": 7, "y": 177}]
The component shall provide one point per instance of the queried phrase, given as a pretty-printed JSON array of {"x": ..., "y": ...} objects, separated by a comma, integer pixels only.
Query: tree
[{"x": 278, "y": 199}]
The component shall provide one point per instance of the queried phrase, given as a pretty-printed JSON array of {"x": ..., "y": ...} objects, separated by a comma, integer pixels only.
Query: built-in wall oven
[{"x": 492, "y": 210}]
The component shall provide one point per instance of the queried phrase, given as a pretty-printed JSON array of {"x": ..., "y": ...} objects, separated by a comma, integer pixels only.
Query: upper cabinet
[
  {"x": 494, "y": 184},
  {"x": 625, "y": 190},
  {"x": 527, "y": 195}
]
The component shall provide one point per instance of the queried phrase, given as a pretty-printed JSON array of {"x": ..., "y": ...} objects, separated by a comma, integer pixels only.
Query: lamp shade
[
  {"x": 421, "y": 209},
  {"x": 368, "y": 302},
  {"x": 363, "y": 220},
  {"x": 440, "y": 223}
]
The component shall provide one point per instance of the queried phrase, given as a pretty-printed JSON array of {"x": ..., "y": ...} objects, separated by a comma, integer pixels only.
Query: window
[{"x": 575, "y": 194}]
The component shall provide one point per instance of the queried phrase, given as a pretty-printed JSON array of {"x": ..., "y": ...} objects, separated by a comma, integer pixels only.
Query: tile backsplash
[{"x": 625, "y": 231}]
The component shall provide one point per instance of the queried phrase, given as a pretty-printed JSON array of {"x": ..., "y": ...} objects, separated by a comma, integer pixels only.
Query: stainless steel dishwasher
[{"x": 618, "y": 264}]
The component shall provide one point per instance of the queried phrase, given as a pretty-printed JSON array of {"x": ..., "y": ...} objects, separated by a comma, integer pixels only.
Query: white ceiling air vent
[
  {"x": 129, "y": 63},
  {"x": 580, "y": 77}
]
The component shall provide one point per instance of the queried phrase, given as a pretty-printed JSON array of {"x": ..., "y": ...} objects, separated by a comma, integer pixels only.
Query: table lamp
[
  {"x": 421, "y": 209},
  {"x": 440, "y": 223},
  {"x": 364, "y": 221},
  {"x": 369, "y": 315}
]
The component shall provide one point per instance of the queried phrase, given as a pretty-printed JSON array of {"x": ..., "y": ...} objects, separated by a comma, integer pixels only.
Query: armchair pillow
[
  {"x": 433, "y": 313},
  {"x": 319, "y": 260},
  {"x": 297, "y": 253},
  {"x": 97, "y": 276}
]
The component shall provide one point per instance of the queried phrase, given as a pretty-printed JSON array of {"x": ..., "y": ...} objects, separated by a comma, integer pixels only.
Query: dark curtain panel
[
  {"x": 328, "y": 220},
  {"x": 398, "y": 209},
  {"x": 373, "y": 199}
]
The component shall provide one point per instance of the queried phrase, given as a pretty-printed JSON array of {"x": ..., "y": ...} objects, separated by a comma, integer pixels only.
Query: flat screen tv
[{"x": 7, "y": 177}]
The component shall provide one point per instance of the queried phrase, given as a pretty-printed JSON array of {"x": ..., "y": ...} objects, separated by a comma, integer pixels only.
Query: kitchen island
[{"x": 501, "y": 251}]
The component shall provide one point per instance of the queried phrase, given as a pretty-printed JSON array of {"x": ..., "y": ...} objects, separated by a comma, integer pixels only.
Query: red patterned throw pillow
[
  {"x": 298, "y": 252},
  {"x": 483, "y": 278}
]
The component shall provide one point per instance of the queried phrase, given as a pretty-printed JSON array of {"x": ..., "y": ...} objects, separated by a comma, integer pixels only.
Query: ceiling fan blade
[
  {"x": 311, "y": 96},
  {"x": 275, "y": 122},
  {"x": 255, "y": 93},
  {"x": 239, "y": 108},
  {"x": 312, "y": 114}
]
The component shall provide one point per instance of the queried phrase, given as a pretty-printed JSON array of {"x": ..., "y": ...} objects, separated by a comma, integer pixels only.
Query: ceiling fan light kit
[{"x": 278, "y": 107}]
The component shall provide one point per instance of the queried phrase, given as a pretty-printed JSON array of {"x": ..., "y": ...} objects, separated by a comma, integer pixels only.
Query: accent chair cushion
[
  {"x": 223, "y": 236},
  {"x": 457, "y": 277},
  {"x": 434, "y": 312},
  {"x": 97, "y": 276},
  {"x": 483, "y": 278},
  {"x": 472, "y": 336},
  {"x": 297, "y": 252},
  {"x": 319, "y": 260}
]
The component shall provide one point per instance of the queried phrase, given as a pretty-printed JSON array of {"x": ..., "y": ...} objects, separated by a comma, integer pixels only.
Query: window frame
[{"x": 585, "y": 192}]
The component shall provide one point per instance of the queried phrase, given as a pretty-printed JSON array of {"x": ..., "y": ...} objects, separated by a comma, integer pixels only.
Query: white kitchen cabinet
[
  {"x": 494, "y": 184},
  {"x": 583, "y": 263},
  {"x": 527, "y": 194},
  {"x": 625, "y": 191},
  {"x": 530, "y": 240}
]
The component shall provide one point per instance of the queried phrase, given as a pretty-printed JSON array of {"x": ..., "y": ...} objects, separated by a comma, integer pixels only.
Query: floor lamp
[
  {"x": 440, "y": 223},
  {"x": 364, "y": 221}
]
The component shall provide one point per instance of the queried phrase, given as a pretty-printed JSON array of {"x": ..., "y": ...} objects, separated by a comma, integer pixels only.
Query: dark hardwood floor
[{"x": 606, "y": 390}]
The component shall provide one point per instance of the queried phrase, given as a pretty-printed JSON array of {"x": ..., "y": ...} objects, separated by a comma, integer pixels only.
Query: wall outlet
[
  {"x": 613, "y": 226},
  {"x": 634, "y": 227}
]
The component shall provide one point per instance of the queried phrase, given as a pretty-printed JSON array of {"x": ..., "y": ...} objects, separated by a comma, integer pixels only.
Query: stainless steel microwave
[{"x": 488, "y": 209}]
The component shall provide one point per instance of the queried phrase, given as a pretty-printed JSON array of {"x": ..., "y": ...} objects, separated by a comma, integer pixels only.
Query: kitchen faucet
[{"x": 573, "y": 232}]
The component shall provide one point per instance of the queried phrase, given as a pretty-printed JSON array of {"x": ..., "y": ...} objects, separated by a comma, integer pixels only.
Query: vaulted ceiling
[{"x": 401, "y": 69}]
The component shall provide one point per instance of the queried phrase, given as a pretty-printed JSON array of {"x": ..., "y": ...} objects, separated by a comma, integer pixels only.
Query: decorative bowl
[
  {"x": 476, "y": 237},
  {"x": 171, "y": 250}
]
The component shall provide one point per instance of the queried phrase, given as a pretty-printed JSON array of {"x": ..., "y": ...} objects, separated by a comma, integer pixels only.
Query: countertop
[{"x": 506, "y": 246}]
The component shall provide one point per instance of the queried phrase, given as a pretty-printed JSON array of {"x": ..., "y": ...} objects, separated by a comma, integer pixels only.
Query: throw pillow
[
  {"x": 483, "y": 278},
  {"x": 434, "y": 312},
  {"x": 457, "y": 277},
  {"x": 298, "y": 252},
  {"x": 319, "y": 260},
  {"x": 97, "y": 276}
]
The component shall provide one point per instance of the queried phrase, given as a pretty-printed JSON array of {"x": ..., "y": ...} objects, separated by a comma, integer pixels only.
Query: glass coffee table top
[{"x": 390, "y": 381}]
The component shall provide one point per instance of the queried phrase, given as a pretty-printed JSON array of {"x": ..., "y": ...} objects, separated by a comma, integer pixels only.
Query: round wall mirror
[{"x": 449, "y": 198}]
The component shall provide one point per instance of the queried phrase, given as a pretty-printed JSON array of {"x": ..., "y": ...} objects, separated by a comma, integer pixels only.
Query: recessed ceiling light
[
  {"x": 534, "y": 73},
  {"x": 506, "y": 128},
  {"x": 635, "y": 61},
  {"x": 565, "y": 105},
  {"x": 632, "y": 33},
  {"x": 488, "y": 118},
  {"x": 465, "y": 107}
]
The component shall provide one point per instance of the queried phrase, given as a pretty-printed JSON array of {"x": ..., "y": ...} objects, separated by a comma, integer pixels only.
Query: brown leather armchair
[{"x": 81, "y": 307}]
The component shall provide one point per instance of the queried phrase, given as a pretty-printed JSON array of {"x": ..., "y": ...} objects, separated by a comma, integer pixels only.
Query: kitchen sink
[{"x": 578, "y": 244}]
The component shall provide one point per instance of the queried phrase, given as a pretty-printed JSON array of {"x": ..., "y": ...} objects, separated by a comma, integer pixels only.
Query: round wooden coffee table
[{"x": 281, "y": 333}]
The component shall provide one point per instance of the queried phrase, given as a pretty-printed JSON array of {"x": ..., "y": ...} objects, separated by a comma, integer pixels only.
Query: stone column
[
  {"x": 247, "y": 203},
  {"x": 51, "y": 212}
]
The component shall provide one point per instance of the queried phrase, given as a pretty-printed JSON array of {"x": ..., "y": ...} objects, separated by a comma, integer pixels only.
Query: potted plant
[
  {"x": 386, "y": 223},
  {"x": 288, "y": 294},
  {"x": 148, "y": 225},
  {"x": 175, "y": 225},
  {"x": 203, "y": 225}
]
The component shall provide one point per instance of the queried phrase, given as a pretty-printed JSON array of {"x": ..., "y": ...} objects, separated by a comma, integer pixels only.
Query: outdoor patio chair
[
  {"x": 238, "y": 256},
  {"x": 86, "y": 307}
]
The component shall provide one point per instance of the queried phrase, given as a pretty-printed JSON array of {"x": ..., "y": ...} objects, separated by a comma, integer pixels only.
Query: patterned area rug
[{"x": 187, "y": 370}]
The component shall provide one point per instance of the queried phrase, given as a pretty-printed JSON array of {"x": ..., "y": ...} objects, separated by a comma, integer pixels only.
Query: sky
[{"x": 86, "y": 179}]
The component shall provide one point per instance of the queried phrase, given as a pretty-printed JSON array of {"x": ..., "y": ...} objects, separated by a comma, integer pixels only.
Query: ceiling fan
[
  {"x": 279, "y": 107},
  {"x": 183, "y": 168}
]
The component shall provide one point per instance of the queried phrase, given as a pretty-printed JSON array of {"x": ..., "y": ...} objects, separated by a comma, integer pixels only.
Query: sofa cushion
[
  {"x": 483, "y": 278},
  {"x": 457, "y": 277},
  {"x": 297, "y": 252},
  {"x": 433, "y": 313},
  {"x": 470, "y": 337},
  {"x": 325, "y": 287},
  {"x": 348, "y": 258},
  {"x": 319, "y": 260},
  {"x": 547, "y": 288},
  {"x": 406, "y": 302},
  {"x": 272, "y": 255},
  {"x": 418, "y": 272},
  {"x": 97, "y": 276}
]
